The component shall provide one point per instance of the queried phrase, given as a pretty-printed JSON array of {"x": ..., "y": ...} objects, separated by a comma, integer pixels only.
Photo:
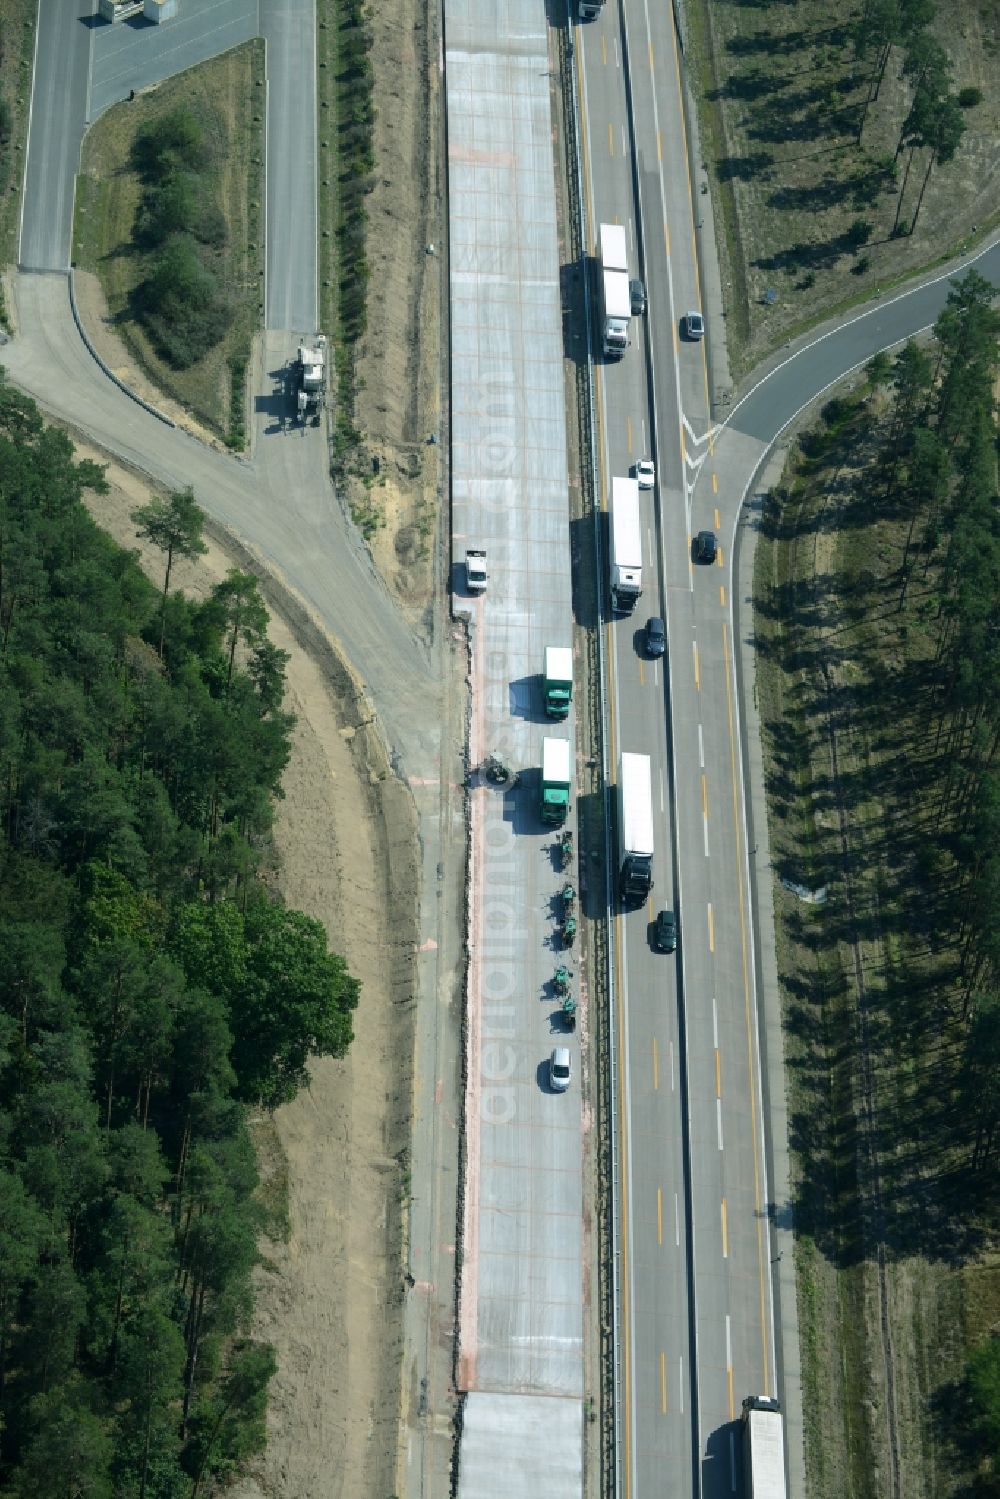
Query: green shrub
[
  {"x": 175, "y": 140},
  {"x": 170, "y": 208},
  {"x": 181, "y": 305}
]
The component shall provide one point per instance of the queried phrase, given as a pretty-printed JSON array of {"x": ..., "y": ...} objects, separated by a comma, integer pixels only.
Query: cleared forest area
[
  {"x": 876, "y": 596},
  {"x": 844, "y": 149}
]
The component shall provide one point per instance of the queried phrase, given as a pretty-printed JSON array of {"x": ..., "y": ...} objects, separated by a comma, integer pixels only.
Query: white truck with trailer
[
  {"x": 763, "y": 1449},
  {"x": 309, "y": 378},
  {"x": 557, "y": 778},
  {"x": 635, "y": 828},
  {"x": 558, "y": 680},
  {"x": 626, "y": 545},
  {"x": 616, "y": 295}
]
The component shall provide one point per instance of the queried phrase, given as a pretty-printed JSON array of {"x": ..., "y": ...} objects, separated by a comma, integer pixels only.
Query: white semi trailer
[
  {"x": 635, "y": 828},
  {"x": 626, "y": 545},
  {"x": 763, "y": 1449},
  {"x": 616, "y": 297}
]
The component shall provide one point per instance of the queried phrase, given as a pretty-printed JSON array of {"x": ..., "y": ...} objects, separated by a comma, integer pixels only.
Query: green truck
[
  {"x": 558, "y": 680},
  {"x": 555, "y": 780}
]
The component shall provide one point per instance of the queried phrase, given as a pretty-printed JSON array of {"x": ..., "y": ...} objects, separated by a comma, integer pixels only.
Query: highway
[
  {"x": 696, "y": 1312},
  {"x": 697, "y": 1192},
  {"x": 695, "y": 1210}
]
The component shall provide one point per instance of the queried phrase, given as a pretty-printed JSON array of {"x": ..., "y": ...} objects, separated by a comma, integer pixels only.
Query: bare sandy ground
[
  {"x": 329, "y": 1298},
  {"x": 399, "y": 406}
]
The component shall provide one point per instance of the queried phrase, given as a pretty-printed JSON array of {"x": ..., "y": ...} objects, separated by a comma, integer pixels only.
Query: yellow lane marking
[
  {"x": 718, "y": 558},
  {"x": 725, "y": 1231},
  {"x": 751, "y": 1089},
  {"x": 704, "y": 795},
  {"x": 693, "y": 219},
  {"x": 715, "y": 484},
  {"x": 625, "y": 1262},
  {"x": 642, "y": 674},
  {"x": 697, "y": 663},
  {"x": 722, "y": 594},
  {"x": 611, "y": 141},
  {"x": 604, "y": 51},
  {"x": 732, "y": 1406},
  {"x": 718, "y": 522},
  {"x": 652, "y": 59},
  {"x": 659, "y": 1215},
  {"x": 711, "y": 929}
]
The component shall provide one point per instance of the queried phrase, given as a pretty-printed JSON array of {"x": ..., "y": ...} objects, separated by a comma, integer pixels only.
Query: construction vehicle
[
  {"x": 626, "y": 545},
  {"x": 554, "y": 801},
  {"x": 475, "y": 570},
  {"x": 309, "y": 379},
  {"x": 616, "y": 297},
  {"x": 635, "y": 828},
  {"x": 558, "y": 680},
  {"x": 763, "y": 1449}
]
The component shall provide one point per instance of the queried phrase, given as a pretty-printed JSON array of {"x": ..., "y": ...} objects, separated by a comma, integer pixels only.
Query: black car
[
  {"x": 637, "y": 292},
  {"x": 705, "y": 546},
  {"x": 665, "y": 932},
  {"x": 656, "y": 637}
]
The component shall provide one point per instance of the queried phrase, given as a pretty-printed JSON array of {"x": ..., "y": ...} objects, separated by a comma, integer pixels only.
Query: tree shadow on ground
[
  {"x": 746, "y": 86},
  {"x": 825, "y": 121},
  {"x": 830, "y": 192},
  {"x": 743, "y": 168},
  {"x": 816, "y": 256},
  {"x": 770, "y": 43}
]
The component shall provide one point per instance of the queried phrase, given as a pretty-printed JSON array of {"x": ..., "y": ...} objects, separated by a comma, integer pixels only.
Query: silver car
[
  {"x": 694, "y": 326},
  {"x": 560, "y": 1071}
]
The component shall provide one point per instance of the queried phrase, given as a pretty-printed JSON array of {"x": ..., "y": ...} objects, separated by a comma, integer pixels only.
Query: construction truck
[
  {"x": 475, "y": 570},
  {"x": 626, "y": 546},
  {"x": 763, "y": 1449},
  {"x": 616, "y": 296},
  {"x": 556, "y": 778},
  {"x": 558, "y": 680},
  {"x": 309, "y": 379},
  {"x": 635, "y": 828}
]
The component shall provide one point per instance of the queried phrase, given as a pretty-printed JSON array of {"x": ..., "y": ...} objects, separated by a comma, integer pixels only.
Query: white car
[
  {"x": 560, "y": 1070},
  {"x": 645, "y": 472}
]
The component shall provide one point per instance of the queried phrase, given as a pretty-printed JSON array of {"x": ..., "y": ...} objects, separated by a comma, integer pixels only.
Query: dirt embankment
[
  {"x": 330, "y": 1296},
  {"x": 399, "y": 404}
]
